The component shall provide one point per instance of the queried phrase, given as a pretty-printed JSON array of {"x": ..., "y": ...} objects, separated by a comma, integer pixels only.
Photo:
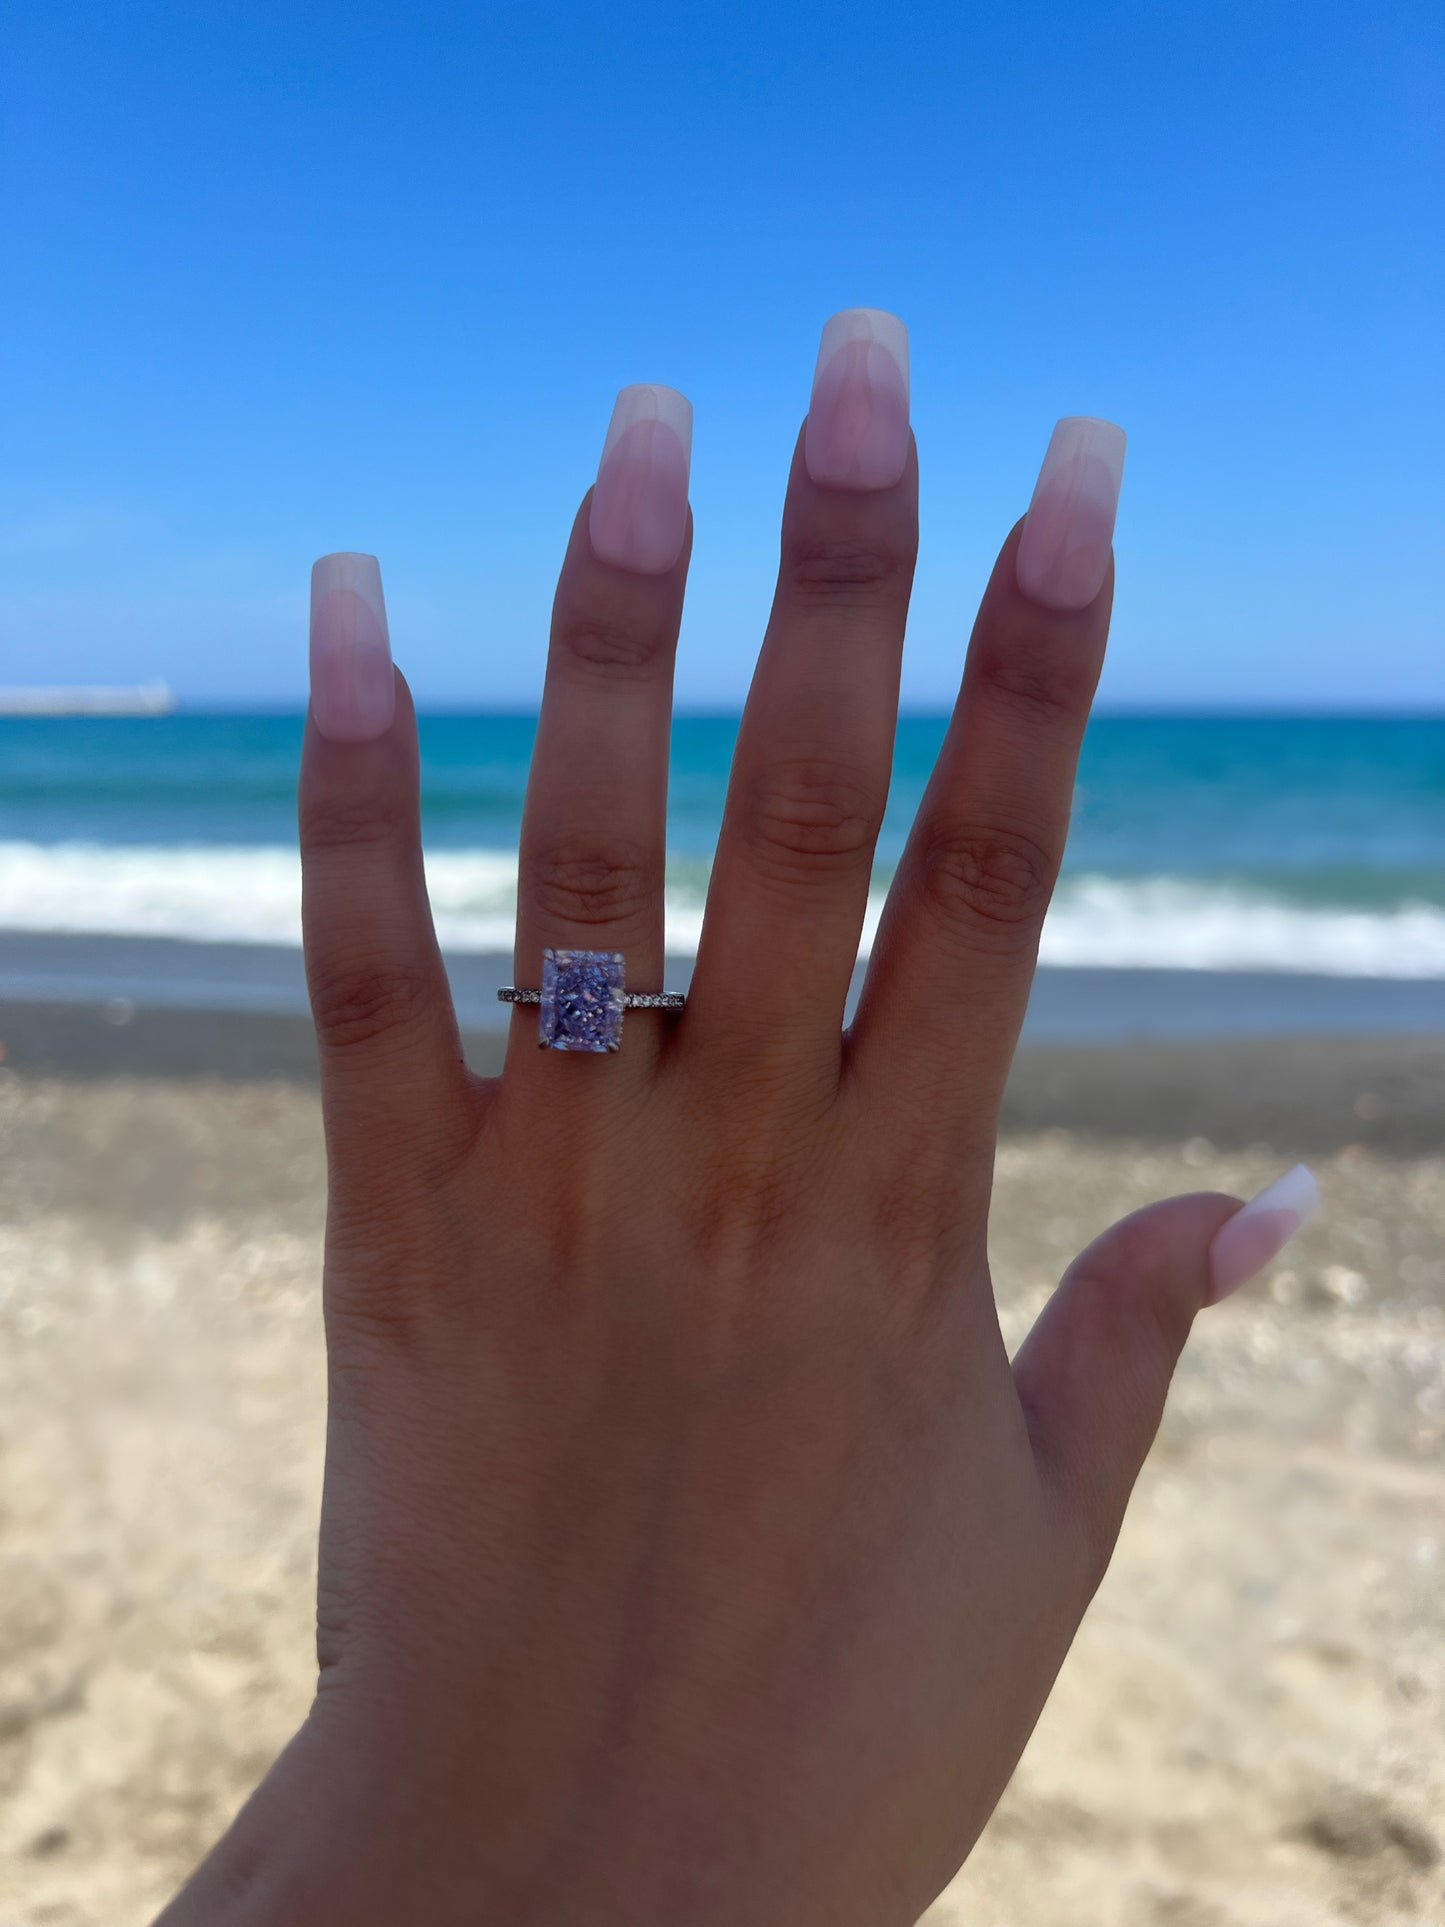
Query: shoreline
[
  {"x": 1074, "y": 1005},
  {"x": 1299, "y": 1096}
]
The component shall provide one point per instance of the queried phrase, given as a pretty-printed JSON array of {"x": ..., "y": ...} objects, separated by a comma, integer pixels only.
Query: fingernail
[
  {"x": 638, "y": 519},
  {"x": 353, "y": 691},
  {"x": 857, "y": 433},
  {"x": 1063, "y": 553},
  {"x": 1260, "y": 1230}
]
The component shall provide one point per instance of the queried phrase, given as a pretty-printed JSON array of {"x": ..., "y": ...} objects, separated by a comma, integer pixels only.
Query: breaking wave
[{"x": 252, "y": 894}]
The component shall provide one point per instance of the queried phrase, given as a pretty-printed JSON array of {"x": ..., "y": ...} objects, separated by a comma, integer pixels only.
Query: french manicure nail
[
  {"x": 638, "y": 519},
  {"x": 1063, "y": 553},
  {"x": 1260, "y": 1230},
  {"x": 857, "y": 432},
  {"x": 353, "y": 691}
]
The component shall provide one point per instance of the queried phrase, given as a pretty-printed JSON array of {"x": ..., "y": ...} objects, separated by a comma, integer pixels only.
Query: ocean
[{"x": 1255, "y": 843}]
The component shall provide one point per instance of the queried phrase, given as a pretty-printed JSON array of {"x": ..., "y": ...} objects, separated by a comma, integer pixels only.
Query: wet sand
[{"x": 1248, "y": 1732}]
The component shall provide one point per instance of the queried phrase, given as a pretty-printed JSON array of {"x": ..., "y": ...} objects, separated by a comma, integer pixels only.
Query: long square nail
[
  {"x": 1260, "y": 1230},
  {"x": 857, "y": 432},
  {"x": 353, "y": 688},
  {"x": 1063, "y": 553},
  {"x": 638, "y": 518}
]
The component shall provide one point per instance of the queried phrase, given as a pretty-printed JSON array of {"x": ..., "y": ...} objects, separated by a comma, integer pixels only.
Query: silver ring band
[{"x": 631, "y": 999}]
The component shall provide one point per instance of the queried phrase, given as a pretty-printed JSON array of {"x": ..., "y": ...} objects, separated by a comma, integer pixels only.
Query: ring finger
[{"x": 593, "y": 845}]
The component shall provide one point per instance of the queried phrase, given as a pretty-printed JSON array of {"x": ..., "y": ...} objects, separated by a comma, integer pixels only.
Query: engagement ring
[{"x": 582, "y": 999}]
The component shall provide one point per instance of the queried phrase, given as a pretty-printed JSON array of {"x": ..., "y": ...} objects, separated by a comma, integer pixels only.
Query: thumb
[{"x": 1094, "y": 1372}]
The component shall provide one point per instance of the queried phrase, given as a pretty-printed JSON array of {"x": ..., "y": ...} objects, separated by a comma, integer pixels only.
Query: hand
[{"x": 692, "y": 1553}]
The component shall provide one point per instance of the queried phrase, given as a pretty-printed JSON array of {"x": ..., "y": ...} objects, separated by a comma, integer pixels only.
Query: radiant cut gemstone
[{"x": 581, "y": 1000}]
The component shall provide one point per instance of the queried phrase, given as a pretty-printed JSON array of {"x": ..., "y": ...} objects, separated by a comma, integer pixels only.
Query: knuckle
[
  {"x": 367, "y": 1320},
  {"x": 1046, "y": 686},
  {"x": 740, "y": 1219},
  {"x": 805, "y": 815},
  {"x": 594, "y": 880},
  {"x": 986, "y": 881},
  {"x": 391, "y": 1280},
  {"x": 744, "y": 1215},
  {"x": 1166, "y": 1321},
  {"x": 359, "y": 1003},
  {"x": 331, "y": 821},
  {"x": 335, "y": 1620},
  {"x": 845, "y": 570},
  {"x": 1144, "y": 1286},
  {"x": 1118, "y": 1320},
  {"x": 608, "y": 643}
]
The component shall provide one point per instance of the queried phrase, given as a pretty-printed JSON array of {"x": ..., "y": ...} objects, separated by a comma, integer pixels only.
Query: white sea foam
[
  {"x": 225, "y": 894},
  {"x": 252, "y": 895},
  {"x": 1175, "y": 923}
]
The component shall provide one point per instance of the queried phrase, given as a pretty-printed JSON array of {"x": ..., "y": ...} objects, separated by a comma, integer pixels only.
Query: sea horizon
[
  {"x": 1299, "y": 843},
  {"x": 1103, "y": 711}
]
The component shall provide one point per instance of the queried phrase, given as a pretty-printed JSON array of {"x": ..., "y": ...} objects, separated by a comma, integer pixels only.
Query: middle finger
[{"x": 810, "y": 773}]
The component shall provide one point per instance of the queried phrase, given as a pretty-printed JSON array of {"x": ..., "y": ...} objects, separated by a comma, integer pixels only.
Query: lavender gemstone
[{"x": 581, "y": 1000}]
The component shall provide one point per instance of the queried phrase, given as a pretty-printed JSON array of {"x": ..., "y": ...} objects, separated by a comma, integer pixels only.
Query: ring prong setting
[
  {"x": 582, "y": 1002},
  {"x": 583, "y": 996}
]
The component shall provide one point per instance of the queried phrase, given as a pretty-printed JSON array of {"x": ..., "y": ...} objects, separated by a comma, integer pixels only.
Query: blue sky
[{"x": 284, "y": 279}]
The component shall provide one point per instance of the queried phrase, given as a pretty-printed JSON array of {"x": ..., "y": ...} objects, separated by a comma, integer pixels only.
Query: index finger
[{"x": 394, "y": 1085}]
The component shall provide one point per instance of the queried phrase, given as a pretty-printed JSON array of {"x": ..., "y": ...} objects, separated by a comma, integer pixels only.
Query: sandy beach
[{"x": 1248, "y": 1732}]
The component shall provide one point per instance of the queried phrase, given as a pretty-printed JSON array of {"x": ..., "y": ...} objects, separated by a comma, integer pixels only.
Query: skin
[{"x": 692, "y": 1552}]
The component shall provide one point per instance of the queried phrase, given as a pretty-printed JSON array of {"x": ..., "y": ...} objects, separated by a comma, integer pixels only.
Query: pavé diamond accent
[
  {"x": 631, "y": 999},
  {"x": 582, "y": 1000}
]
